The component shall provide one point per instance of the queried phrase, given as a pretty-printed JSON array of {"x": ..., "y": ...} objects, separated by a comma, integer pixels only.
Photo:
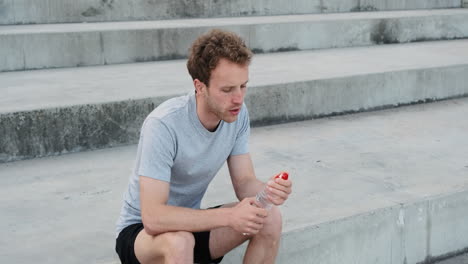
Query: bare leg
[
  {"x": 262, "y": 248},
  {"x": 171, "y": 247},
  {"x": 177, "y": 247}
]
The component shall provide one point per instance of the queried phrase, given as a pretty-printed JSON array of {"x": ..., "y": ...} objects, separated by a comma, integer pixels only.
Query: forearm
[
  {"x": 249, "y": 188},
  {"x": 172, "y": 218}
]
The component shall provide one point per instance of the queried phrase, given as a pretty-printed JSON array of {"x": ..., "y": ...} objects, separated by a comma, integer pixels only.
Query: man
[{"x": 183, "y": 144}]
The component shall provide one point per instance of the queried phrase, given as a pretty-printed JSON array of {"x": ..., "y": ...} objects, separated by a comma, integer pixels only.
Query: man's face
[{"x": 228, "y": 85}]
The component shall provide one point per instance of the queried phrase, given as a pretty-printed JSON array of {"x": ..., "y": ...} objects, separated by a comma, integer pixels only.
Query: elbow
[
  {"x": 152, "y": 226},
  {"x": 240, "y": 195}
]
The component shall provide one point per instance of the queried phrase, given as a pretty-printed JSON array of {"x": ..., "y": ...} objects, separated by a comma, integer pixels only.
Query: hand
[
  {"x": 278, "y": 190},
  {"x": 247, "y": 217}
]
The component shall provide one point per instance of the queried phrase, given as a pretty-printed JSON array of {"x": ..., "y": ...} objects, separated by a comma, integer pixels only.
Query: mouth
[{"x": 235, "y": 111}]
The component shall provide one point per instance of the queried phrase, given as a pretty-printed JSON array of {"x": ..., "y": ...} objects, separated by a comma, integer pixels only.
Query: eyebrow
[{"x": 232, "y": 86}]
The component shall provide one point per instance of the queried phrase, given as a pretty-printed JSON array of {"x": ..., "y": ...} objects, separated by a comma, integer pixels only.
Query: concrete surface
[
  {"x": 378, "y": 187},
  {"x": 62, "y": 11},
  {"x": 69, "y": 110},
  {"x": 72, "y": 45},
  {"x": 462, "y": 259}
]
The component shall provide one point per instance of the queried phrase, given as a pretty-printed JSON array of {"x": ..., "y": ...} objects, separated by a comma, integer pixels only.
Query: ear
[{"x": 199, "y": 86}]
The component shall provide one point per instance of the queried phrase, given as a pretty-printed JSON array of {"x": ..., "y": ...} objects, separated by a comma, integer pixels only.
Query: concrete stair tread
[
  {"x": 56, "y": 11},
  {"x": 54, "y": 112},
  {"x": 44, "y": 89},
  {"x": 86, "y": 44},
  {"x": 348, "y": 171},
  {"x": 220, "y": 22}
]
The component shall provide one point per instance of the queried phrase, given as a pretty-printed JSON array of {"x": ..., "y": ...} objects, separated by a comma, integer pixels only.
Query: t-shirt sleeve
[
  {"x": 157, "y": 150},
  {"x": 241, "y": 145}
]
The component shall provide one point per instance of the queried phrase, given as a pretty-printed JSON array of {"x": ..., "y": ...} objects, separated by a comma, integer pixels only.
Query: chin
[{"x": 230, "y": 119}]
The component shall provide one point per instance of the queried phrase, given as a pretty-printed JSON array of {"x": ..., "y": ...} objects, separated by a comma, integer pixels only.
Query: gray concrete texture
[
  {"x": 71, "y": 45},
  {"x": 66, "y": 11},
  {"x": 461, "y": 259},
  {"x": 52, "y": 112},
  {"x": 370, "y": 188}
]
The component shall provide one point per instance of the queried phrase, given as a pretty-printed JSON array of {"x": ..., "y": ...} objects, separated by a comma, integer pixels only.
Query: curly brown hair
[{"x": 209, "y": 48}]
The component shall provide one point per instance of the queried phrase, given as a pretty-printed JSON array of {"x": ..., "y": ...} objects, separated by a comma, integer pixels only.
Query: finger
[
  {"x": 282, "y": 186},
  {"x": 275, "y": 192},
  {"x": 285, "y": 183},
  {"x": 261, "y": 212},
  {"x": 251, "y": 231},
  {"x": 255, "y": 226},
  {"x": 257, "y": 203},
  {"x": 248, "y": 200},
  {"x": 255, "y": 220},
  {"x": 276, "y": 200},
  {"x": 259, "y": 219},
  {"x": 252, "y": 202},
  {"x": 278, "y": 186}
]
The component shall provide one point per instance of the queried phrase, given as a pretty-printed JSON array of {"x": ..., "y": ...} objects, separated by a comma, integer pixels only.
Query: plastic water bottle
[{"x": 262, "y": 196}]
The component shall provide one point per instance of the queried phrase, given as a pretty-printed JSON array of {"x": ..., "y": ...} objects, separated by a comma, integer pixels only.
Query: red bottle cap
[{"x": 283, "y": 175}]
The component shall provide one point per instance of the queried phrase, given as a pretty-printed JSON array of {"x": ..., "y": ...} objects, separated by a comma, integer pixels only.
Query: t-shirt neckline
[{"x": 196, "y": 121}]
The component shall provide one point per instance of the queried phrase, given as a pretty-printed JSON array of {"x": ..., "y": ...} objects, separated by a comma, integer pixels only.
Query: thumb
[{"x": 252, "y": 201}]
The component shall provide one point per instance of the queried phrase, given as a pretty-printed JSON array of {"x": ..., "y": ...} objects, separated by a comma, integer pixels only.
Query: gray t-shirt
[{"x": 175, "y": 147}]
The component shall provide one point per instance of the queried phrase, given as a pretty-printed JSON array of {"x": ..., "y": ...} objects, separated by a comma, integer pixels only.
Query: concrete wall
[
  {"x": 71, "y": 129},
  {"x": 418, "y": 232},
  {"x": 85, "y": 45}
]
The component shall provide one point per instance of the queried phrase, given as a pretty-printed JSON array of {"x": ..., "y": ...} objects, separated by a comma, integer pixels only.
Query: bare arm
[
  {"x": 158, "y": 217},
  {"x": 243, "y": 176},
  {"x": 246, "y": 184}
]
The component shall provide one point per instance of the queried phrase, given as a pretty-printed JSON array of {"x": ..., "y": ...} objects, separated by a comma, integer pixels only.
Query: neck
[{"x": 209, "y": 120}]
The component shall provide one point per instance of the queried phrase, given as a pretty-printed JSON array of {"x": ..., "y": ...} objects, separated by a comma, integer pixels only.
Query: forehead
[{"x": 230, "y": 72}]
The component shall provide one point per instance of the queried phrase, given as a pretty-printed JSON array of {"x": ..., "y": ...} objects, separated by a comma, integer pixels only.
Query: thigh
[
  {"x": 173, "y": 247},
  {"x": 225, "y": 239},
  {"x": 178, "y": 246},
  {"x": 221, "y": 241},
  {"x": 147, "y": 248}
]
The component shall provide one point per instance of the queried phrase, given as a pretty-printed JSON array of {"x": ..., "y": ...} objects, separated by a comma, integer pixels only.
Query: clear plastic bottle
[{"x": 262, "y": 196}]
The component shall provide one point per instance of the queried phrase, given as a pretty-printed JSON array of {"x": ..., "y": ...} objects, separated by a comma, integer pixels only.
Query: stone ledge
[
  {"x": 353, "y": 80},
  {"x": 77, "y": 45}
]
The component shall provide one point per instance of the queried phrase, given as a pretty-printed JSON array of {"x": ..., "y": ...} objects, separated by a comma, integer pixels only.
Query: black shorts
[{"x": 126, "y": 240}]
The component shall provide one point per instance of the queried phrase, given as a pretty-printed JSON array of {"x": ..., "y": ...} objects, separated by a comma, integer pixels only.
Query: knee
[
  {"x": 178, "y": 244},
  {"x": 273, "y": 224}
]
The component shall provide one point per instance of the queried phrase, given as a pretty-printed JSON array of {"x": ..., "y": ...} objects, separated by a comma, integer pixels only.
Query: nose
[{"x": 238, "y": 96}]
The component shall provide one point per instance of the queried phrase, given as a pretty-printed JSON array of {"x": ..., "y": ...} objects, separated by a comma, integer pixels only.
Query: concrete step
[
  {"x": 66, "y": 11},
  {"x": 383, "y": 187},
  {"x": 71, "y": 45},
  {"x": 461, "y": 259},
  {"x": 51, "y": 112}
]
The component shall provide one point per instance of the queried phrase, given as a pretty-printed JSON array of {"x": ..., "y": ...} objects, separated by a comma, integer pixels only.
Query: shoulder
[
  {"x": 166, "y": 115},
  {"x": 173, "y": 106}
]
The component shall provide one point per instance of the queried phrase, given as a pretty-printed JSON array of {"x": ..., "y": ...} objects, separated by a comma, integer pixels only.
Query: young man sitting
[{"x": 183, "y": 144}]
